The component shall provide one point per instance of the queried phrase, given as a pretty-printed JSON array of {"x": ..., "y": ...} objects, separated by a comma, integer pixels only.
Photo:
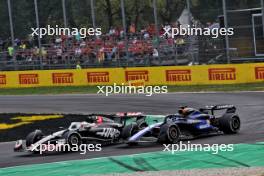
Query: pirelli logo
[
  {"x": 137, "y": 75},
  {"x": 2, "y": 79},
  {"x": 178, "y": 75},
  {"x": 259, "y": 72},
  {"x": 98, "y": 77},
  {"x": 219, "y": 74},
  {"x": 62, "y": 78},
  {"x": 28, "y": 79}
]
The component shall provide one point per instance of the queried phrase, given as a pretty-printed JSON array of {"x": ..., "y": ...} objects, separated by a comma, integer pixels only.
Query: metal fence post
[
  {"x": 93, "y": 13},
  {"x": 64, "y": 13},
  {"x": 262, "y": 7},
  {"x": 226, "y": 36},
  {"x": 156, "y": 26},
  {"x": 39, "y": 40},
  {"x": 124, "y": 27},
  {"x": 190, "y": 25},
  {"x": 156, "y": 18},
  {"x": 12, "y": 32}
]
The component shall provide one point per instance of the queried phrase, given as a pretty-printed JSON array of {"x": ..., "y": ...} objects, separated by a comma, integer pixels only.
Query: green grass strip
[{"x": 244, "y": 155}]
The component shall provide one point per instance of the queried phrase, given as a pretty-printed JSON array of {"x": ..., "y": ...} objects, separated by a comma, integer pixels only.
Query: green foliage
[{"x": 108, "y": 13}]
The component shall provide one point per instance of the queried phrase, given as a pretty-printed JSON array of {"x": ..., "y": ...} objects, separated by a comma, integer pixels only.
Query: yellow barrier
[{"x": 169, "y": 75}]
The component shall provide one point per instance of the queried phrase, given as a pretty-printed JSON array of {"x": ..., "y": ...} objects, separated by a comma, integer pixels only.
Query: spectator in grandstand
[
  {"x": 43, "y": 54},
  {"x": 11, "y": 51},
  {"x": 78, "y": 52},
  {"x": 122, "y": 34},
  {"x": 180, "y": 43},
  {"x": 58, "y": 54},
  {"x": 78, "y": 37},
  {"x": 78, "y": 65},
  {"x": 112, "y": 54},
  {"x": 139, "y": 59},
  {"x": 155, "y": 53},
  {"x": 1, "y": 44},
  {"x": 146, "y": 35},
  {"x": 17, "y": 42},
  {"x": 58, "y": 40},
  {"x": 101, "y": 55},
  {"x": 132, "y": 29},
  {"x": 29, "y": 57},
  {"x": 22, "y": 46},
  {"x": 83, "y": 44},
  {"x": 167, "y": 27},
  {"x": 112, "y": 31}
]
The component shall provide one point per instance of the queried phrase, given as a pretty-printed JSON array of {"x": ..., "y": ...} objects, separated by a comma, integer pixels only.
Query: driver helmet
[{"x": 185, "y": 111}]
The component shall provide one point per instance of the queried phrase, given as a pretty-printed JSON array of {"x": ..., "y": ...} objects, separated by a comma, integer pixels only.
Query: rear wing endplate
[{"x": 229, "y": 108}]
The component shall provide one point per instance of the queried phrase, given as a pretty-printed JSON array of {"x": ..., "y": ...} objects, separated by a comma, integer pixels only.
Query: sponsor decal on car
[
  {"x": 204, "y": 126},
  {"x": 121, "y": 114},
  {"x": 109, "y": 132}
]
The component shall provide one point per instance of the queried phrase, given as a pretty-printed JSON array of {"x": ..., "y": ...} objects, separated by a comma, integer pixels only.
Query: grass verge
[{"x": 94, "y": 89}]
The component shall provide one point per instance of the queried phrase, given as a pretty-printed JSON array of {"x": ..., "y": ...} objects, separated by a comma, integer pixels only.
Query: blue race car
[{"x": 188, "y": 123}]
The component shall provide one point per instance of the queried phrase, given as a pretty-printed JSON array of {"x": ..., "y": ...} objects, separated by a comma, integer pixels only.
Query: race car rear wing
[{"x": 212, "y": 108}]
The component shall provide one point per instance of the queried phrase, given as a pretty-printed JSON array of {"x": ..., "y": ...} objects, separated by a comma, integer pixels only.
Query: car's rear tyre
[
  {"x": 73, "y": 139},
  {"x": 142, "y": 125},
  {"x": 34, "y": 137},
  {"x": 169, "y": 133},
  {"x": 129, "y": 131},
  {"x": 229, "y": 123}
]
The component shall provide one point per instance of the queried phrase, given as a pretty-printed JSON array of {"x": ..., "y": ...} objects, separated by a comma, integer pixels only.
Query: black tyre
[
  {"x": 129, "y": 131},
  {"x": 74, "y": 139},
  {"x": 33, "y": 137},
  {"x": 169, "y": 134},
  {"x": 229, "y": 123},
  {"x": 142, "y": 125},
  {"x": 132, "y": 144}
]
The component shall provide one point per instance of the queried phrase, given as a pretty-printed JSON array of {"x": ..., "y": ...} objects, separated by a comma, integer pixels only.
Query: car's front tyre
[
  {"x": 34, "y": 137},
  {"x": 169, "y": 133}
]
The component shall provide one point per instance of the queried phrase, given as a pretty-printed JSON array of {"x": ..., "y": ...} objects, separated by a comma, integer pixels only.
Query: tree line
[{"x": 108, "y": 13}]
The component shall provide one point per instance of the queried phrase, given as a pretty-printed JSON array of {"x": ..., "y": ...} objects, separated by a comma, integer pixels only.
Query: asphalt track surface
[{"x": 250, "y": 107}]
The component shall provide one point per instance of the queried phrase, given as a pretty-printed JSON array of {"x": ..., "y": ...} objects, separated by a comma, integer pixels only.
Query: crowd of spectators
[{"x": 110, "y": 48}]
